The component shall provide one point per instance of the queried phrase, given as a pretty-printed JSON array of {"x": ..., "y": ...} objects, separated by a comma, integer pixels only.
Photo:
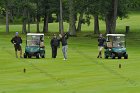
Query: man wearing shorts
[
  {"x": 17, "y": 41},
  {"x": 101, "y": 41}
]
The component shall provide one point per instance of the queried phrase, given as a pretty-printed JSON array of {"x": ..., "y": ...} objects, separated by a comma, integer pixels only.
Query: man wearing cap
[
  {"x": 17, "y": 41},
  {"x": 101, "y": 41}
]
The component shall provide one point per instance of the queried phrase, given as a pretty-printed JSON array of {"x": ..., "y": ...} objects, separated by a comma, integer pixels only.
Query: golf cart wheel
[
  {"x": 113, "y": 56},
  {"x": 126, "y": 56},
  {"x": 119, "y": 56},
  {"x": 37, "y": 55},
  {"x": 106, "y": 57},
  {"x": 29, "y": 56},
  {"x": 43, "y": 56},
  {"x": 25, "y": 55}
]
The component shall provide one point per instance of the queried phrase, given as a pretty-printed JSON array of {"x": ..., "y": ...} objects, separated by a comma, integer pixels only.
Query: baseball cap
[{"x": 16, "y": 33}]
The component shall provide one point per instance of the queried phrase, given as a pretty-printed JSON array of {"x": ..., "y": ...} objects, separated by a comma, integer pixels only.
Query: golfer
[
  {"x": 17, "y": 41},
  {"x": 54, "y": 45},
  {"x": 101, "y": 41},
  {"x": 63, "y": 39}
]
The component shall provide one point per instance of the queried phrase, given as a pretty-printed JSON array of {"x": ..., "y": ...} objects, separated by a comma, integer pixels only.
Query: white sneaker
[{"x": 64, "y": 59}]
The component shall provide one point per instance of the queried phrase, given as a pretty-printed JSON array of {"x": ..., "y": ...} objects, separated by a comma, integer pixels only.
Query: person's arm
[
  {"x": 12, "y": 40},
  {"x": 20, "y": 40},
  {"x": 66, "y": 35},
  {"x": 98, "y": 39},
  {"x": 51, "y": 43}
]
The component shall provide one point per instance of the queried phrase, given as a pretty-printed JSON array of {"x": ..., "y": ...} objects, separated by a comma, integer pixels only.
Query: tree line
[{"x": 70, "y": 11}]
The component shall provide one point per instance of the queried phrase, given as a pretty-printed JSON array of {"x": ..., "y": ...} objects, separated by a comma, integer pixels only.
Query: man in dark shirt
[
  {"x": 101, "y": 41},
  {"x": 63, "y": 39},
  {"x": 54, "y": 45},
  {"x": 17, "y": 41}
]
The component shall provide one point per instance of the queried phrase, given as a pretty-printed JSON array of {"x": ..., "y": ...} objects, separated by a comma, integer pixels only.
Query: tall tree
[
  {"x": 80, "y": 22},
  {"x": 80, "y": 9},
  {"x": 111, "y": 17},
  {"x": 72, "y": 27},
  {"x": 114, "y": 18},
  {"x": 24, "y": 20},
  {"x": 48, "y": 7},
  {"x": 110, "y": 10},
  {"x": 61, "y": 18},
  {"x": 6, "y": 5},
  {"x": 45, "y": 14},
  {"x": 38, "y": 15},
  {"x": 93, "y": 9},
  {"x": 7, "y": 20},
  {"x": 96, "y": 24}
]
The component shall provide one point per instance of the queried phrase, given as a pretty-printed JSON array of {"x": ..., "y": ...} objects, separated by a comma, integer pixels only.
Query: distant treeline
[{"x": 71, "y": 11}]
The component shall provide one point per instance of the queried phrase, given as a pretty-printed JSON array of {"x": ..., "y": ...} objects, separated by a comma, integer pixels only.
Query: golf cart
[
  {"x": 34, "y": 45},
  {"x": 115, "y": 46}
]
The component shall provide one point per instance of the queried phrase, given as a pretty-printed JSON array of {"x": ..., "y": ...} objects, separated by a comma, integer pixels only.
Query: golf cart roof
[
  {"x": 37, "y": 34},
  {"x": 115, "y": 35}
]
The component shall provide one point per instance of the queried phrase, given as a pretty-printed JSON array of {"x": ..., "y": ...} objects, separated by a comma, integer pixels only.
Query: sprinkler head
[
  {"x": 24, "y": 70},
  {"x": 120, "y": 66}
]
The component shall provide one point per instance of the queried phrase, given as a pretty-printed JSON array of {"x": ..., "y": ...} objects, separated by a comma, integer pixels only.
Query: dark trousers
[{"x": 54, "y": 51}]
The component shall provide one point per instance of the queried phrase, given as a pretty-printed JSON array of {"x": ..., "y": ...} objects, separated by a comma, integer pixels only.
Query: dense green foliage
[{"x": 48, "y": 11}]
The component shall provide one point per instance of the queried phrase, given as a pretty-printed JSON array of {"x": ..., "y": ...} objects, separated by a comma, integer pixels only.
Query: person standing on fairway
[
  {"x": 54, "y": 45},
  {"x": 17, "y": 41},
  {"x": 63, "y": 39},
  {"x": 101, "y": 41}
]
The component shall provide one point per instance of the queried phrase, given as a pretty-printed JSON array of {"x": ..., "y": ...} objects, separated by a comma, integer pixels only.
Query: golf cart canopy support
[
  {"x": 35, "y": 34},
  {"x": 115, "y": 35}
]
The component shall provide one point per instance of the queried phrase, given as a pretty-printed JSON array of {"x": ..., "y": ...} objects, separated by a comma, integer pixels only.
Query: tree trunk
[
  {"x": 59, "y": 23},
  {"x": 34, "y": 19},
  {"x": 108, "y": 25},
  {"x": 24, "y": 21},
  {"x": 7, "y": 21},
  {"x": 37, "y": 23},
  {"x": 72, "y": 27},
  {"x": 61, "y": 18},
  {"x": 24, "y": 26},
  {"x": 114, "y": 18},
  {"x": 37, "y": 18},
  {"x": 80, "y": 22},
  {"x": 11, "y": 16},
  {"x": 28, "y": 22},
  {"x": 96, "y": 25},
  {"x": 111, "y": 18},
  {"x": 45, "y": 27},
  {"x": 28, "y": 27}
]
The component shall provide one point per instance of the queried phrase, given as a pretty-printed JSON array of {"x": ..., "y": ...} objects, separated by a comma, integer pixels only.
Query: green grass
[{"x": 81, "y": 73}]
